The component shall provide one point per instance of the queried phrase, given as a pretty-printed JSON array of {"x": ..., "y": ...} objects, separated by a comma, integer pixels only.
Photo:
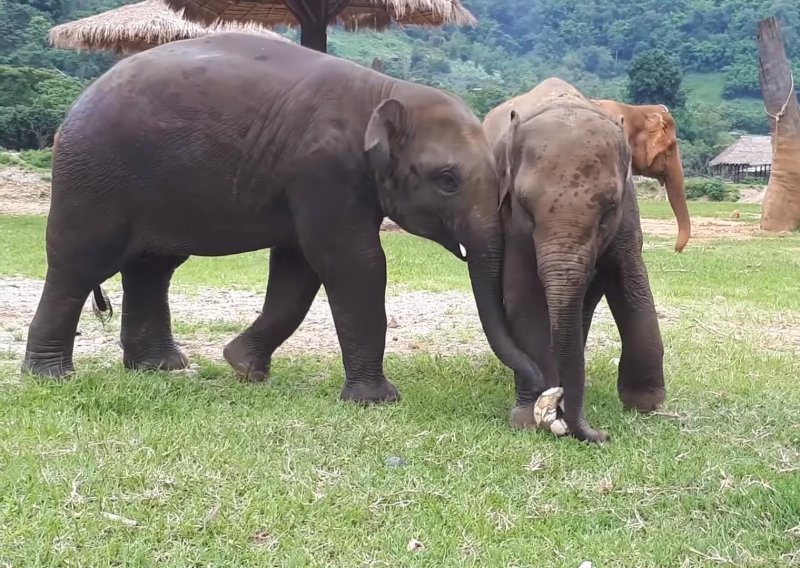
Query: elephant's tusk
[{"x": 463, "y": 250}]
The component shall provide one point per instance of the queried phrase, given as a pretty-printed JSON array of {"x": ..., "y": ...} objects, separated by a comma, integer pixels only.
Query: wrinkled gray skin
[
  {"x": 235, "y": 143},
  {"x": 572, "y": 235}
]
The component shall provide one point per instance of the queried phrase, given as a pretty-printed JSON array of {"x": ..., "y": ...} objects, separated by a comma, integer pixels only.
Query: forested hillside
[{"x": 517, "y": 43}]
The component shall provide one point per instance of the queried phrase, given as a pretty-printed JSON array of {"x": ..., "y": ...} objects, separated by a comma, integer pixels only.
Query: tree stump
[{"x": 781, "y": 208}]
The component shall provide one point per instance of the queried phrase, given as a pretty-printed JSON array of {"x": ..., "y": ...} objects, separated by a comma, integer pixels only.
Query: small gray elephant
[{"x": 573, "y": 235}]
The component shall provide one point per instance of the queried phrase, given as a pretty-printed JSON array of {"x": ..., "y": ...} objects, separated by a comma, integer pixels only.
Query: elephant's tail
[{"x": 101, "y": 304}]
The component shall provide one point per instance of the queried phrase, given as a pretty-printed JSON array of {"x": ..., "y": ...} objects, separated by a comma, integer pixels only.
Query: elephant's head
[
  {"x": 565, "y": 176},
  {"x": 436, "y": 178},
  {"x": 654, "y": 143}
]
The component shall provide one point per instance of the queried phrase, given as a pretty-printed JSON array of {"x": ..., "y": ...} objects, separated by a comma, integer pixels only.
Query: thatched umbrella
[
  {"x": 137, "y": 27},
  {"x": 314, "y": 16}
]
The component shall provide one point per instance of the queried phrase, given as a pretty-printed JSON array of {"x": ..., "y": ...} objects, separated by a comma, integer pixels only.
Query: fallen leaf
[{"x": 119, "y": 519}]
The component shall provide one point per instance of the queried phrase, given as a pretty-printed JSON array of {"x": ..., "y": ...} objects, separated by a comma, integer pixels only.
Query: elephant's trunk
[
  {"x": 565, "y": 279},
  {"x": 485, "y": 259},
  {"x": 673, "y": 179}
]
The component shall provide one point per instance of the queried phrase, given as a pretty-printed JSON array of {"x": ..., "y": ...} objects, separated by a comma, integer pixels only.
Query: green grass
[
  {"x": 39, "y": 161},
  {"x": 216, "y": 472},
  {"x": 704, "y": 87}
]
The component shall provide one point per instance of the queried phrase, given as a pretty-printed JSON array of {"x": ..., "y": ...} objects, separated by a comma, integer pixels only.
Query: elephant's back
[
  {"x": 205, "y": 76},
  {"x": 551, "y": 91}
]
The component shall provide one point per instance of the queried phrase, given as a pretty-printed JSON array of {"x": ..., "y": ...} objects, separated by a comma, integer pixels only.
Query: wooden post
[
  {"x": 314, "y": 17},
  {"x": 781, "y": 208}
]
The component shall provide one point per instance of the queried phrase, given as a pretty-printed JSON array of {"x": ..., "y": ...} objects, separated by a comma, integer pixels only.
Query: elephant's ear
[
  {"x": 385, "y": 135},
  {"x": 505, "y": 159},
  {"x": 659, "y": 138}
]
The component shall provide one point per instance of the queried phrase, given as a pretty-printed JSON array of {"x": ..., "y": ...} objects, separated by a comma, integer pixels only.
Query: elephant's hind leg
[
  {"x": 290, "y": 292},
  {"x": 146, "y": 333},
  {"x": 51, "y": 337}
]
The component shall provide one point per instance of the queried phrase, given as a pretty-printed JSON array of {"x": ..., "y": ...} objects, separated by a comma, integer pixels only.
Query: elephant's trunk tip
[{"x": 684, "y": 233}]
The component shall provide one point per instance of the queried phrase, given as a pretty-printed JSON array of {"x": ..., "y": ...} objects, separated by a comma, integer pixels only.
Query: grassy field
[{"x": 117, "y": 468}]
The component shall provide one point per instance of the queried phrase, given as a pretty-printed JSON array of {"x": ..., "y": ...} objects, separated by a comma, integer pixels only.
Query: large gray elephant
[
  {"x": 572, "y": 235},
  {"x": 234, "y": 143}
]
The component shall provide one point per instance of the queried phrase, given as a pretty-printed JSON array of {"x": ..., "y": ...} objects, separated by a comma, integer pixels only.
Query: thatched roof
[
  {"x": 137, "y": 27},
  {"x": 376, "y": 14},
  {"x": 747, "y": 151}
]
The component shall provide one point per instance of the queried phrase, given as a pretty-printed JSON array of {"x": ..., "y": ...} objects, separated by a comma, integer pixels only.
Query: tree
[
  {"x": 33, "y": 103},
  {"x": 484, "y": 99},
  {"x": 655, "y": 78}
]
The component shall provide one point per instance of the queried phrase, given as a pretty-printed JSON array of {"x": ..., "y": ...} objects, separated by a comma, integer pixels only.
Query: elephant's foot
[
  {"x": 370, "y": 392},
  {"x": 522, "y": 417},
  {"x": 642, "y": 399},
  {"x": 586, "y": 433},
  {"x": 548, "y": 414},
  {"x": 247, "y": 363},
  {"x": 168, "y": 358},
  {"x": 47, "y": 366}
]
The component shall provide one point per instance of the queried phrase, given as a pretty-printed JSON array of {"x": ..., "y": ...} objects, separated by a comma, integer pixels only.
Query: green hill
[{"x": 516, "y": 44}]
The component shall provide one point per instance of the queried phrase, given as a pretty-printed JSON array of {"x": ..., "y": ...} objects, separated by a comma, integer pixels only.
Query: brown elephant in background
[
  {"x": 573, "y": 235},
  {"x": 651, "y": 134}
]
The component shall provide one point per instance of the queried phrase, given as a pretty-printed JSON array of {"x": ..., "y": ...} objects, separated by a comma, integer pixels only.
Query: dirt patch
[
  {"x": 23, "y": 192},
  {"x": 439, "y": 323},
  {"x": 703, "y": 228},
  {"x": 752, "y": 195}
]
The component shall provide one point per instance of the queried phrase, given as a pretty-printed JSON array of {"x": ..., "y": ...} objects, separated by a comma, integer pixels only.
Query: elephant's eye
[
  {"x": 447, "y": 179},
  {"x": 607, "y": 216}
]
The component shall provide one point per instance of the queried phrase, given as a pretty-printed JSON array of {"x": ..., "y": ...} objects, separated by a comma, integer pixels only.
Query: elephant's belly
[{"x": 220, "y": 231}]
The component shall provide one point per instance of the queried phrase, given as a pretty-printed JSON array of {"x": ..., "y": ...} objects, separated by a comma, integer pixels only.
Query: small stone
[
  {"x": 394, "y": 461},
  {"x": 585, "y": 564},
  {"x": 415, "y": 546},
  {"x": 392, "y": 323}
]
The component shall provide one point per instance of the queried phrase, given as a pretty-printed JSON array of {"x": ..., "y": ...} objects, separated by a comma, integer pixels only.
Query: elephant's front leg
[
  {"x": 353, "y": 271},
  {"x": 290, "y": 292},
  {"x": 641, "y": 368}
]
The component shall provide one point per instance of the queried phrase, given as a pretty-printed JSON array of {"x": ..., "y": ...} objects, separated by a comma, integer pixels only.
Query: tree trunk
[
  {"x": 314, "y": 17},
  {"x": 781, "y": 208}
]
